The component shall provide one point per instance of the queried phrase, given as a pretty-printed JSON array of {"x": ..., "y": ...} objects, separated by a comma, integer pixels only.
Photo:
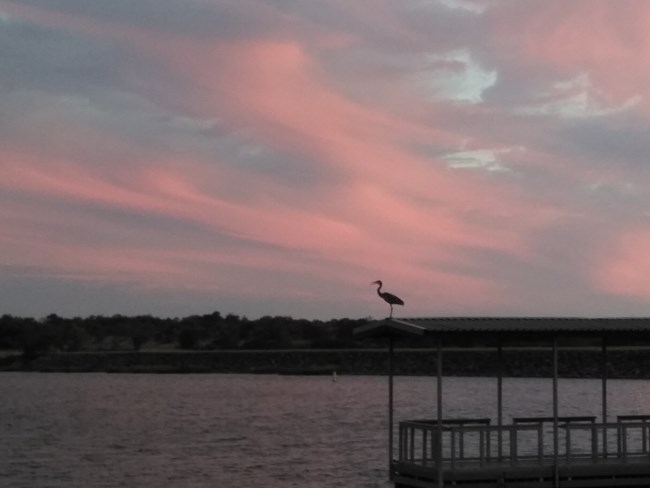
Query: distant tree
[
  {"x": 37, "y": 340},
  {"x": 197, "y": 331},
  {"x": 138, "y": 339},
  {"x": 10, "y": 332},
  {"x": 166, "y": 331},
  {"x": 141, "y": 330},
  {"x": 318, "y": 334},
  {"x": 204, "y": 329},
  {"x": 75, "y": 337},
  {"x": 188, "y": 338},
  {"x": 269, "y": 333},
  {"x": 344, "y": 331},
  {"x": 228, "y": 333}
]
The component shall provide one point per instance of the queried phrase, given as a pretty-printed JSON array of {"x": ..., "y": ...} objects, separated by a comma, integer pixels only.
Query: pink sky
[{"x": 275, "y": 157}]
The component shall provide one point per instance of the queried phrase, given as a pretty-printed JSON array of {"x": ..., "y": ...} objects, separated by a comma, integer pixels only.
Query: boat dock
[
  {"x": 523, "y": 452},
  {"x": 473, "y": 456}
]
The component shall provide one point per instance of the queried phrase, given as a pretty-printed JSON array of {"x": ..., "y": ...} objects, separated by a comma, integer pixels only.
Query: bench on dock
[
  {"x": 564, "y": 420},
  {"x": 633, "y": 418},
  {"x": 645, "y": 445},
  {"x": 457, "y": 421}
]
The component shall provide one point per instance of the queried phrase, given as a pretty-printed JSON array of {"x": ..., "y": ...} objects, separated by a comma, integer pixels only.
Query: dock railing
[
  {"x": 645, "y": 437},
  {"x": 463, "y": 443},
  {"x": 472, "y": 442},
  {"x": 631, "y": 440}
]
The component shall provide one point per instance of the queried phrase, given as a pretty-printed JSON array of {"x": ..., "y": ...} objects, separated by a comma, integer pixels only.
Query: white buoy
[{"x": 334, "y": 376}]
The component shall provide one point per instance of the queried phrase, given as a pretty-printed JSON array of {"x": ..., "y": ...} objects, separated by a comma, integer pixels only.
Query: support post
[
  {"x": 390, "y": 406},
  {"x": 439, "y": 413},
  {"x": 500, "y": 399},
  {"x": 556, "y": 438},
  {"x": 603, "y": 368}
]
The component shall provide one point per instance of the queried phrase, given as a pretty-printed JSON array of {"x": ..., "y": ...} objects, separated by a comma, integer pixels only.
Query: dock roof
[{"x": 509, "y": 327}]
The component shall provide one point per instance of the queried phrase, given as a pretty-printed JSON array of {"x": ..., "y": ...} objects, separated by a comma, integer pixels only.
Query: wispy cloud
[{"x": 274, "y": 157}]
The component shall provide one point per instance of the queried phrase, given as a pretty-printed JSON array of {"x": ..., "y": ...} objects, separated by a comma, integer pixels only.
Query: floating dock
[{"x": 524, "y": 452}]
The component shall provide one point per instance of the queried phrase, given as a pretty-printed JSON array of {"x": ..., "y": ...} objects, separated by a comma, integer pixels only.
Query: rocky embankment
[{"x": 583, "y": 363}]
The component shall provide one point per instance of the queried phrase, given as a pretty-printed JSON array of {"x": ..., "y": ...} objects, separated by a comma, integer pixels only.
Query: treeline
[{"x": 200, "y": 332}]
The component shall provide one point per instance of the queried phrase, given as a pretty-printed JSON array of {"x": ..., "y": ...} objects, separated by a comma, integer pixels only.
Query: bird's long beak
[{"x": 374, "y": 282}]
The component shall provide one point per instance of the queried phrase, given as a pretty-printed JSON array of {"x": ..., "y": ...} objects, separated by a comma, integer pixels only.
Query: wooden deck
[
  {"x": 583, "y": 473},
  {"x": 476, "y": 454}
]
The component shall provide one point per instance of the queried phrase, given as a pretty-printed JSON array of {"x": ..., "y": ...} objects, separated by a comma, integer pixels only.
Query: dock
[
  {"x": 473, "y": 456},
  {"x": 523, "y": 452}
]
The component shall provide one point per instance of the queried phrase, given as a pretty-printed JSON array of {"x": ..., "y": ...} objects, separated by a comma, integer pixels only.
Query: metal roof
[{"x": 508, "y": 326}]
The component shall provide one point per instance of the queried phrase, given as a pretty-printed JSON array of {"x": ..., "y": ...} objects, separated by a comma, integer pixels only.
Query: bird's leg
[{"x": 391, "y": 311}]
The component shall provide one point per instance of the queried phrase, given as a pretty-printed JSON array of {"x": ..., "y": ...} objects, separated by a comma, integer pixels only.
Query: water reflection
[{"x": 99, "y": 430}]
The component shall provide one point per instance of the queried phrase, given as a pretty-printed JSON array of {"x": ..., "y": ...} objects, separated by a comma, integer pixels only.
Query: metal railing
[
  {"x": 631, "y": 439},
  {"x": 645, "y": 437},
  {"x": 418, "y": 443},
  {"x": 472, "y": 441}
]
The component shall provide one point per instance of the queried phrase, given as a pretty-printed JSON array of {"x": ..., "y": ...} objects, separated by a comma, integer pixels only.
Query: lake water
[{"x": 245, "y": 431}]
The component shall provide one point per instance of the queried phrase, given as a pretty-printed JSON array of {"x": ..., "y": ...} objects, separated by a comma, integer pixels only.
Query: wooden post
[
  {"x": 594, "y": 443},
  {"x": 603, "y": 367},
  {"x": 556, "y": 439},
  {"x": 439, "y": 413},
  {"x": 390, "y": 406},
  {"x": 500, "y": 400},
  {"x": 453, "y": 450},
  {"x": 425, "y": 445}
]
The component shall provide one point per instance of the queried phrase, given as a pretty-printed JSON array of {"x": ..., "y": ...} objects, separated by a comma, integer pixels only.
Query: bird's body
[{"x": 388, "y": 297}]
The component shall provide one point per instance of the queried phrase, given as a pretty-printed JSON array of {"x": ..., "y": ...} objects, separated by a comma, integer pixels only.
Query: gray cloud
[
  {"x": 617, "y": 141},
  {"x": 39, "y": 58},
  {"x": 194, "y": 18}
]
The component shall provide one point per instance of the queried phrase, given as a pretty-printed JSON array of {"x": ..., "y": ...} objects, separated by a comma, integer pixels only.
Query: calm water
[{"x": 100, "y": 430}]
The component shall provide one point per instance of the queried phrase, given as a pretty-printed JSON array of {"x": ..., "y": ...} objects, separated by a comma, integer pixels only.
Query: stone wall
[{"x": 516, "y": 363}]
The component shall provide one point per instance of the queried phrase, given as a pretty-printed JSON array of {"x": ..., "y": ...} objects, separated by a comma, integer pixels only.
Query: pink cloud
[
  {"x": 625, "y": 265},
  {"x": 608, "y": 41},
  {"x": 387, "y": 211}
]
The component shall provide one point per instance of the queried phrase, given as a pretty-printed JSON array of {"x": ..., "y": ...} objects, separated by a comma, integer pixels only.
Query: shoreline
[{"x": 524, "y": 362}]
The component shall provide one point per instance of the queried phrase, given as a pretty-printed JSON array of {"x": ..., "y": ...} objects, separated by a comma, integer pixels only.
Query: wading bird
[{"x": 388, "y": 297}]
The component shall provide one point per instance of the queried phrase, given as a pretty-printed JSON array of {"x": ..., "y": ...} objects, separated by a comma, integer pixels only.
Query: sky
[{"x": 274, "y": 157}]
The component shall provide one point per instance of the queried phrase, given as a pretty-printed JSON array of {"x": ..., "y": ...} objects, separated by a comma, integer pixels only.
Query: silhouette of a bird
[{"x": 388, "y": 297}]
